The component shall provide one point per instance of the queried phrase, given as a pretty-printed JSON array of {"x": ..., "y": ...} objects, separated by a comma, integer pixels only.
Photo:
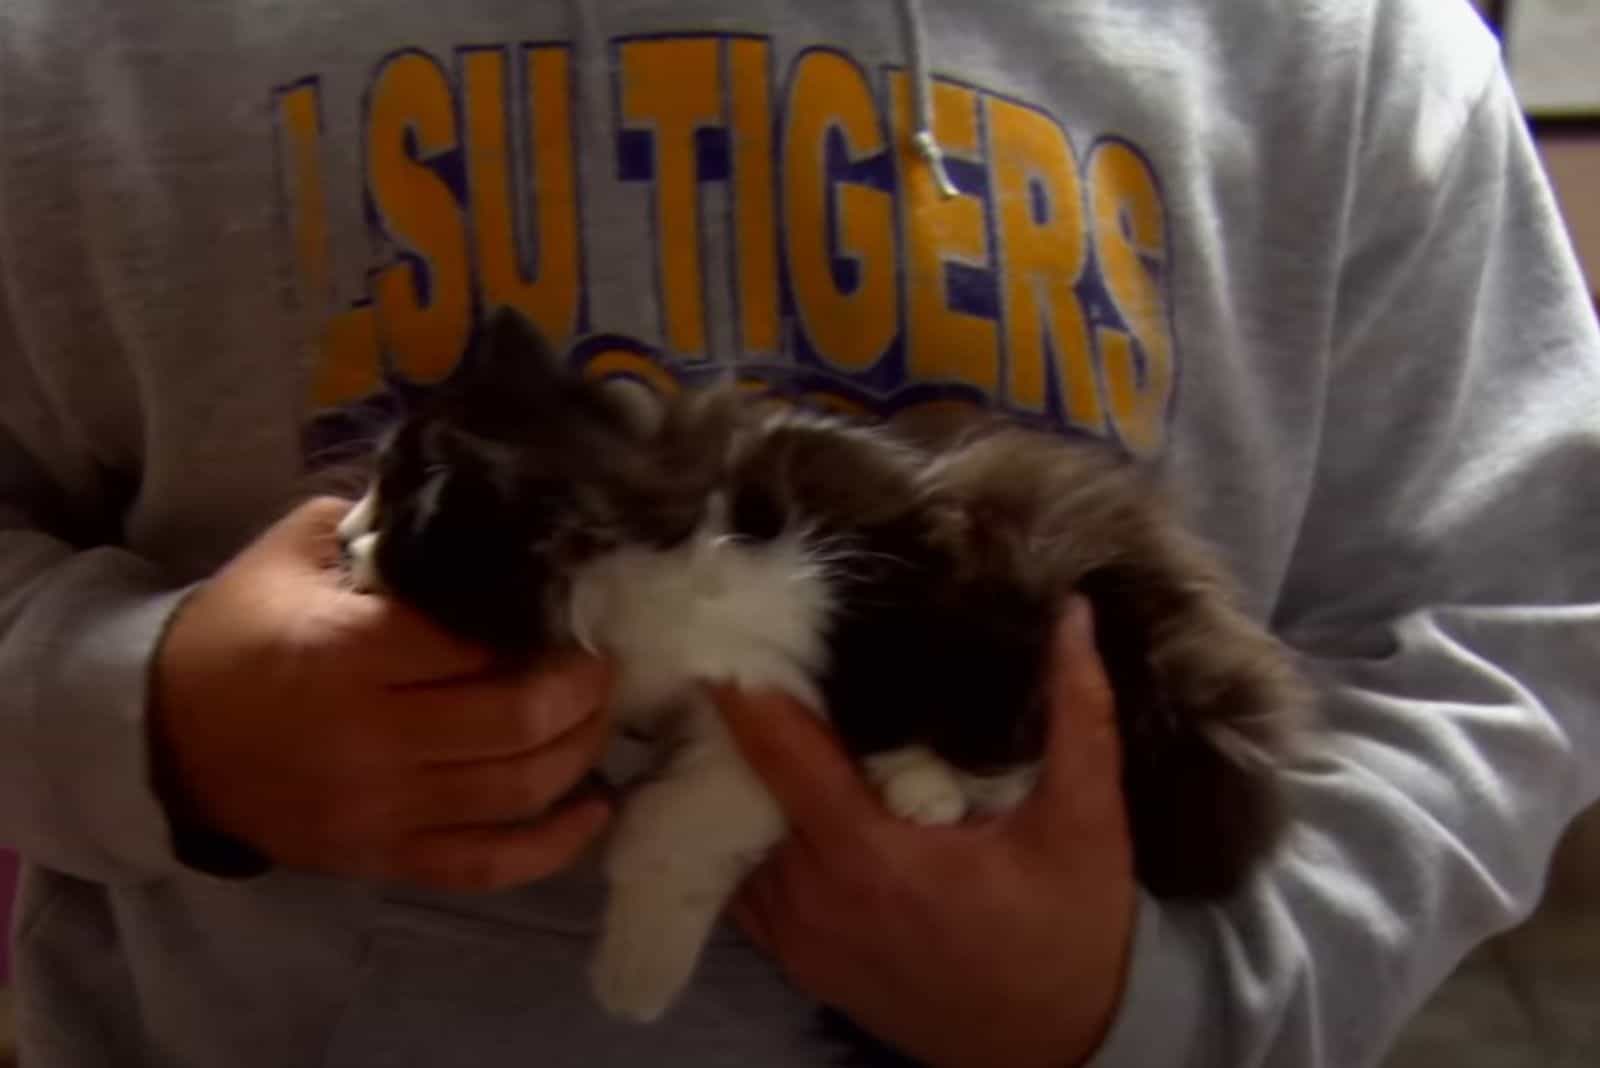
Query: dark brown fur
[
  {"x": 953, "y": 550},
  {"x": 965, "y": 552}
]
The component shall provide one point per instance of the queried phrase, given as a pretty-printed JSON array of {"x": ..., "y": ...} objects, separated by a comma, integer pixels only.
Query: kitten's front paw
[
  {"x": 637, "y": 981},
  {"x": 917, "y": 786},
  {"x": 643, "y": 962}
]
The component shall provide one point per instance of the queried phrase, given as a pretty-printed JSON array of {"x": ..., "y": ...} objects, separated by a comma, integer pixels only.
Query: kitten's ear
[
  {"x": 513, "y": 351},
  {"x": 510, "y": 361},
  {"x": 637, "y": 408}
]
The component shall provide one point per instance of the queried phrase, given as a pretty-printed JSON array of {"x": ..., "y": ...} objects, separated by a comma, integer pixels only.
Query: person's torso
[{"x": 229, "y": 228}]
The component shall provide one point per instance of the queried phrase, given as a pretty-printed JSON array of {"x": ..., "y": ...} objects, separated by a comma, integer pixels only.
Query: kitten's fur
[{"x": 907, "y": 585}]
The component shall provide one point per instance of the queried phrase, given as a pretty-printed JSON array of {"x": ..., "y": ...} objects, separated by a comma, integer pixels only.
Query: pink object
[{"x": 9, "y": 865}]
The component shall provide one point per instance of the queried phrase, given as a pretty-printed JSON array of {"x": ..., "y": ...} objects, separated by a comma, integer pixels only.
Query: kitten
[{"x": 906, "y": 584}]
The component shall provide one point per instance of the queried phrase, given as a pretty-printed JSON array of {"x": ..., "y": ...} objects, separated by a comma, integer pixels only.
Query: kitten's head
[{"x": 510, "y": 475}]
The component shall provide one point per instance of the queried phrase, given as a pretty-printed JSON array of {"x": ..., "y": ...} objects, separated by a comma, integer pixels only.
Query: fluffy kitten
[{"x": 907, "y": 586}]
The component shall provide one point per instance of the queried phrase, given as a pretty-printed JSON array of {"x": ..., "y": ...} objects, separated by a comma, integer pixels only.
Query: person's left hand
[{"x": 1002, "y": 942}]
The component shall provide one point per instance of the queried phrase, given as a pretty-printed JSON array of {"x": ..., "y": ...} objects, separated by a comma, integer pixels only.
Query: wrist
[{"x": 196, "y": 843}]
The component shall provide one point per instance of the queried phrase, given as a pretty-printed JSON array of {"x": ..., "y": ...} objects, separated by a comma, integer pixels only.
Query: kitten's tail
[{"x": 1210, "y": 707}]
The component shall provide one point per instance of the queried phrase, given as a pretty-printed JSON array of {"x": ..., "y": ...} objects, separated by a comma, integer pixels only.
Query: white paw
[
  {"x": 641, "y": 966},
  {"x": 637, "y": 981},
  {"x": 917, "y": 786}
]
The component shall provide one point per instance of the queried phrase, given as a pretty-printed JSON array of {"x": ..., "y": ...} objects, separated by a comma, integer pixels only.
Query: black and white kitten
[{"x": 907, "y": 584}]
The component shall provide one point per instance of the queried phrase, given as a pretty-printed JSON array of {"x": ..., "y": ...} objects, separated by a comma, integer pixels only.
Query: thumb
[
  {"x": 392, "y": 640},
  {"x": 1080, "y": 781},
  {"x": 800, "y": 760},
  {"x": 309, "y": 532}
]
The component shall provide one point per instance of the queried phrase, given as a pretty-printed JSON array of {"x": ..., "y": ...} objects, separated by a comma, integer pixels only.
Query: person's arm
[
  {"x": 268, "y": 714},
  {"x": 77, "y": 626},
  {"x": 1446, "y": 592}
]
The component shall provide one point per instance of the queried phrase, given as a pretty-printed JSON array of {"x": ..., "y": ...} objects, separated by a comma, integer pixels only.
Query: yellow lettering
[
  {"x": 424, "y": 306},
  {"x": 1130, "y": 226},
  {"x": 943, "y": 344},
  {"x": 835, "y": 403},
  {"x": 851, "y": 328},
  {"x": 346, "y": 368},
  {"x": 549, "y": 295},
  {"x": 621, "y": 362},
  {"x": 754, "y": 212},
  {"x": 673, "y": 88},
  {"x": 1044, "y": 246},
  {"x": 348, "y": 359}
]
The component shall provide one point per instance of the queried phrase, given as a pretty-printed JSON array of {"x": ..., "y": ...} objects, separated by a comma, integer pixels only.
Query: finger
[
  {"x": 488, "y": 718},
  {"x": 801, "y": 762},
  {"x": 768, "y": 910},
  {"x": 761, "y": 914},
  {"x": 504, "y": 790},
  {"x": 1080, "y": 781},
  {"x": 495, "y": 858},
  {"x": 371, "y": 637}
]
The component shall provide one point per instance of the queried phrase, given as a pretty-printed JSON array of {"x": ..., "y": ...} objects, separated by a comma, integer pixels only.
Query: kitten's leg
[
  {"x": 683, "y": 844},
  {"x": 917, "y": 785}
]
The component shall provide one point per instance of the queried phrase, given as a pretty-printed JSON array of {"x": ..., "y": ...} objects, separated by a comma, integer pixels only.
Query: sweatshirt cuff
[
  {"x": 1163, "y": 1000},
  {"x": 88, "y": 802}
]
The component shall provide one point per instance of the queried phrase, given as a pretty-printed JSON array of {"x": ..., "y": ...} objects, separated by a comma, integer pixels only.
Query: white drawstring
[
  {"x": 595, "y": 80},
  {"x": 922, "y": 139}
]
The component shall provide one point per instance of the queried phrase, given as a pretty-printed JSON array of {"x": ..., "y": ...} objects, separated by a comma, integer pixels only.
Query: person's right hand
[{"x": 343, "y": 733}]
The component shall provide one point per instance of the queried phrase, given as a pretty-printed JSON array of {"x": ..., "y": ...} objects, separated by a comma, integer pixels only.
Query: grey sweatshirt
[{"x": 1299, "y": 257}]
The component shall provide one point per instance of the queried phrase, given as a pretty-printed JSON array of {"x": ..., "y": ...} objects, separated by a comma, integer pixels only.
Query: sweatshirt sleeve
[
  {"x": 79, "y": 619},
  {"x": 1445, "y": 594}
]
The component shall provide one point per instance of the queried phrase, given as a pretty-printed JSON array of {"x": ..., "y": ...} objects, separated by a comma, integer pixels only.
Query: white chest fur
[{"x": 715, "y": 608}]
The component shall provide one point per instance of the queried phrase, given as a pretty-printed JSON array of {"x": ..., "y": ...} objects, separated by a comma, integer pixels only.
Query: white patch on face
[
  {"x": 361, "y": 516},
  {"x": 428, "y": 497},
  {"x": 360, "y": 543},
  {"x": 364, "y": 564}
]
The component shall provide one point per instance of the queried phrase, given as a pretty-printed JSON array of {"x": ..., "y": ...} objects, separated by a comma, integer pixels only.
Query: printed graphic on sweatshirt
[{"x": 788, "y": 198}]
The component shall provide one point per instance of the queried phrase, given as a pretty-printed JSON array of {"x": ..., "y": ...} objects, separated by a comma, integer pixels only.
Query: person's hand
[
  {"x": 995, "y": 943},
  {"x": 342, "y": 733}
]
